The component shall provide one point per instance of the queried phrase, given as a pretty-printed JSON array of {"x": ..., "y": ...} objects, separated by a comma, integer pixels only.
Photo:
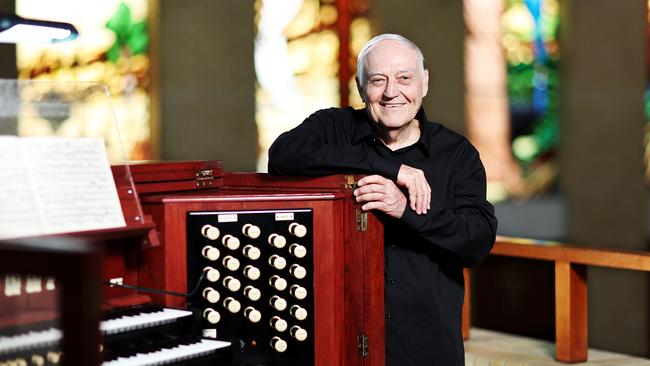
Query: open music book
[{"x": 51, "y": 185}]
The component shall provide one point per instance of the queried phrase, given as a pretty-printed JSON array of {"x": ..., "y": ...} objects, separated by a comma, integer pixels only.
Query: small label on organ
[
  {"x": 227, "y": 218},
  {"x": 284, "y": 216}
]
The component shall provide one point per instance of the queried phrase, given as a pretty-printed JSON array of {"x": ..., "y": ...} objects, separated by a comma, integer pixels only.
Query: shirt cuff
[
  {"x": 409, "y": 217},
  {"x": 385, "y": 167}
]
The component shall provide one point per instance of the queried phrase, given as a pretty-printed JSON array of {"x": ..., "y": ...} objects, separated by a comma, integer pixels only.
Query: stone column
[
  {"x": 437, "y": 27},
  {"x": 207, "y": 82},
  {"x": 601, "y": 125}
]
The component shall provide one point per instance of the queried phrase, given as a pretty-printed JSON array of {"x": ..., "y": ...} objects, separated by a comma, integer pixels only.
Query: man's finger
[
  {"x": 370, "y": 197},
  {"x": 374, "y": 205},
  {"x": 375, "y": 178},
  {"x": 370, "y": 188}
]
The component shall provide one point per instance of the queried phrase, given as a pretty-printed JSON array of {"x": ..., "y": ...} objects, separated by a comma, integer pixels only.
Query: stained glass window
[
  {"x": 300, "y": 62},
  {"x": 111, "y": 49},
  {"x": 512, "y": 55},
  {"x": 531, "y": 45}
]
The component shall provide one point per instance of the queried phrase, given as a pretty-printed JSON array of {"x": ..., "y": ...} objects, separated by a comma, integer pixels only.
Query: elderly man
[{"x": 427, "y": 182}]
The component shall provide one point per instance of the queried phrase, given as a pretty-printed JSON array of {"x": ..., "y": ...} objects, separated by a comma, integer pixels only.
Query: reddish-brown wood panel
[
  {"x": 373, "y": 262},
  {"x": 571, "y": 340}
]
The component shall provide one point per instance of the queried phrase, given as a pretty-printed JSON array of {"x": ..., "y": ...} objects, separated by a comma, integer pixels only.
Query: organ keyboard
[
  {"x": 124, "y": 320},
  {"x": 192, "y": 352},
  {"x": 122, "y": 347}
]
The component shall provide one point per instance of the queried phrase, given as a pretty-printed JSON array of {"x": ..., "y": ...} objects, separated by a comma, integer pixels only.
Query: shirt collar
[{"x": 364, "y": 130}]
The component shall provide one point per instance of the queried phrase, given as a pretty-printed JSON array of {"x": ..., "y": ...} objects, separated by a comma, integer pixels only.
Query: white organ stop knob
[
  {"x": 278, "y": 324},
  {"x": 297, "y": 229},
  {"x": 211, "y": 315},
  {"x": 211, "y": 295},
  {"x": 278, "y": 344},
  {"x": 298, "y": 271},
  {"x": 251, "y": 252},
  {"x": 231, "y": 283},
  {"x": 252, "y": 293},
  {"x": 298, "y": 312},
  {"x": 252, "y": 272},
  {"x": 211, "y": 274},
  {"x": 277, "y": 262},
  {"x": 251, "y": 231},
  {"x": 297, "y": 250},
  {"x": 278, "y": 303},
  {"x": 298, "y": 292},
  {"x": 278, "y": 282},
  {"x": 277, "y": 240},
  {"x": 232, "y": 305},
  {"x": 231, "y": 263},
  {"x": 53, "y": 357},
  {"x": 298, "y": 333},
  {"x": 253, "y": 315},
  {"x": 210, "y": 232},
  {"x": 210, "y": 252},
  {"x": 38, "y": 360},
  {"x": 230, "y": 242}
]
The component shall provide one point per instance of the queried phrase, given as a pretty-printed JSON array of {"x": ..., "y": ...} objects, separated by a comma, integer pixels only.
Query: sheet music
[
  {"x": 19, "y": 214},
  {"x": 71, "y": 187}
]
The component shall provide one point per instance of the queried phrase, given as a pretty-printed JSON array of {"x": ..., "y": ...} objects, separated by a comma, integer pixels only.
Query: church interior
[{"x": 187, "y": 97}]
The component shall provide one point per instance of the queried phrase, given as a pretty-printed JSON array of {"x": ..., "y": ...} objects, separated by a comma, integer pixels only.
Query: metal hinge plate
[
  {"x": 350, "y": 183},
  {"x": 362, "y": 221},
  {"x": 362, "y": 345}
]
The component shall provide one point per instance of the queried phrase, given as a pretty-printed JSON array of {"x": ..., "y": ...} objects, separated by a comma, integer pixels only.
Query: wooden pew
[{"x": 571, "y": 308}]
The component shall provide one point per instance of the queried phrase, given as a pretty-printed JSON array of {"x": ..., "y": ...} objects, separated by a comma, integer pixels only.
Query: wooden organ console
[
  {"x": 276, "y": 271},
  {"x": 294, "y": 269}
]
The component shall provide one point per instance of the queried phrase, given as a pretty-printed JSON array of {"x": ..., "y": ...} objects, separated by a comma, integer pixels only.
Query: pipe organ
[{"x": 255, "y": 269}]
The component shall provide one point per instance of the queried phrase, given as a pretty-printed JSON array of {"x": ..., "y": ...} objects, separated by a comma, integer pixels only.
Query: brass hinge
[
  {"x": 362, "y": 221},
  {"x": 204, "y": 178},
  {"x": 350, "y": 183},
  {"x": 362, "y": 345}
]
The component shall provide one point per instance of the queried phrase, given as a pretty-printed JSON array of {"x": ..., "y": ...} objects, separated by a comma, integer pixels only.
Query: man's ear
[
  {"x": 425, "y": 81},
  {"x": 360, "y": 89}
]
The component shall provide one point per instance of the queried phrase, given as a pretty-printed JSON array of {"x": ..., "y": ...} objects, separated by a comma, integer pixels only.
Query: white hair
[{"x": 361, "y": 59}]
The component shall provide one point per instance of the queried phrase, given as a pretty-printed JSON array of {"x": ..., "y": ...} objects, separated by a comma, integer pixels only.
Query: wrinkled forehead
[{"x": 390, "y": 55}]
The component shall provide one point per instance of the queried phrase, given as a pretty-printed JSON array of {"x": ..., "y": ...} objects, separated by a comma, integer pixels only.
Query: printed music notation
[{"x": 52, "y": 185}]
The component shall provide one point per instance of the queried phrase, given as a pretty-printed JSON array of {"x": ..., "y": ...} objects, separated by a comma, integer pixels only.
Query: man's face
[{"x": 394, "y": 85}]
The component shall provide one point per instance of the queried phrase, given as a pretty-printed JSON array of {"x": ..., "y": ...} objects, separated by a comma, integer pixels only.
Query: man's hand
[
  {"x": 418, "y": 188},
  {"x": 379, "y": 193}
]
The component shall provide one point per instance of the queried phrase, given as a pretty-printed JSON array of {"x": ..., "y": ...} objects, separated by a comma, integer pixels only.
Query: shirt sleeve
[
  {"x": 323, "y": 145},
  {"x": 467, "y": 227}
]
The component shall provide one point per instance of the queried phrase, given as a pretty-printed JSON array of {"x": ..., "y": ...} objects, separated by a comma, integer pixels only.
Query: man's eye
[
  {"x": 376, "y": 81},
  {"x": 405, "y": 77}
]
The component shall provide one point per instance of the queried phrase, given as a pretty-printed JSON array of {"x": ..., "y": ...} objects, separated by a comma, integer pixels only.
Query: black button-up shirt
[{"x": 424, "y": 254}]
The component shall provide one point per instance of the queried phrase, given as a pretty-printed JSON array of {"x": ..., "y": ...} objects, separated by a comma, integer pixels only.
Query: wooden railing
[{"x": 571, "y": 341}]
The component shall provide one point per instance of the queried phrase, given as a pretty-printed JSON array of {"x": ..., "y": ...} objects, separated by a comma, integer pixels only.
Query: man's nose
[{"x": 391, "y": 90}]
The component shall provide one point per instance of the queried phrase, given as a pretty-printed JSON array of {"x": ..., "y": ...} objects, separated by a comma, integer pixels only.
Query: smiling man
[{"x": 425, "y": 181}]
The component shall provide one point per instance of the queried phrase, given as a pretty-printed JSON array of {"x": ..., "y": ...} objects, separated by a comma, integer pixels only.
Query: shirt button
[
  {"x": 393, "y": 246},
  {"x": 392, "y": 281},
  {"x": 388, "y": 316}
]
